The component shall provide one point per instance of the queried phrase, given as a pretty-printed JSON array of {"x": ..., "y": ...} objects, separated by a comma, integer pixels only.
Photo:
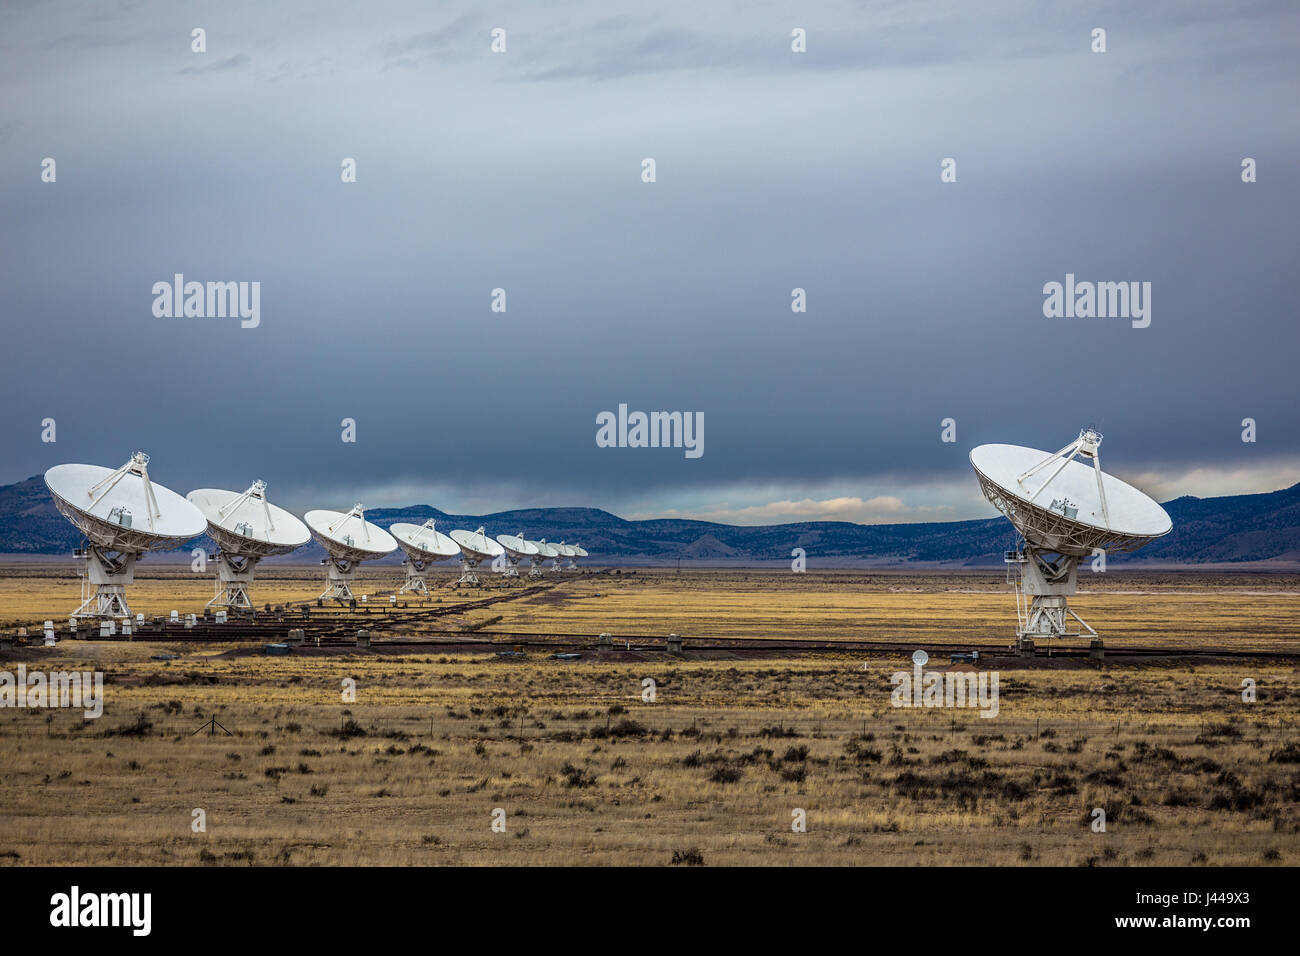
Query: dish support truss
[
  {"x": 234, "y": 575},
  {"x": 416, "y": 582},
  {"x": 104, "y": 577},
  {"x": 341, "y": 573},
  {"x": 468, "y": 572},
  {"x": 1043, "y": 582}
]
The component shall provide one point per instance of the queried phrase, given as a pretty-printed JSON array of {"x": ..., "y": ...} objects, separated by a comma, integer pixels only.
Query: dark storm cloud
[{"x": 522, "y": 171}]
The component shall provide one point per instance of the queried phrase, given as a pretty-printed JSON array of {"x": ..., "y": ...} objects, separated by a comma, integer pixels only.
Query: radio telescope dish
[
  {"x": 475, "y": 548},
  {"x": 545, "y": 552},
  {"x": 578, "y": 553},
  {"x": 424, "y": 545},
  {"x": 123, "y": 515},
  {"x": 567, "y": 553},
  {"x": 1065, "y": 511},
  {"x": 516, "y": 550},
  {"x": 246, "y": 528},
  {"x": 348, "y": 539}
]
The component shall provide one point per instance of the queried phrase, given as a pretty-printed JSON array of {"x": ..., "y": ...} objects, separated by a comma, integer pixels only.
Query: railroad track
[
  {"x": 658, "y": 642},
  {"x": 495, "y": 640}
]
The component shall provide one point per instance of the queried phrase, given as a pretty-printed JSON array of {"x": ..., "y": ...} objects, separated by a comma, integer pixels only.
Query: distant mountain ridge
[{"x": 1237, "y": 528}]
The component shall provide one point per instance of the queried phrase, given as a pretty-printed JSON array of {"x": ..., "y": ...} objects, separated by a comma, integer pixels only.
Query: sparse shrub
[
  {"x": 627, "y": 728},
  {"x": 576, "y": 777},
  {"x": 725, "y": 774},
  {"x": 1290, "y": 753},
  {"x": 140, "y": 727},
  {"x": 1106, "y": 777},
  {"x": 350, "y": 728}
]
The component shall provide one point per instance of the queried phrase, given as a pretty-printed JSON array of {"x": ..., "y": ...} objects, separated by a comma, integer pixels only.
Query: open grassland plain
[
  {"x": 577, "y": 763},
  {"x": 1231, "y": 611}
]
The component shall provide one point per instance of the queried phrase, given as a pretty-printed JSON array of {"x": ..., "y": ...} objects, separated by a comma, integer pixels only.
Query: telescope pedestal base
[
  {"x": 234, "y": 574},
  {"x": 468, "y": 573},
  {"x": 108, "y": 577},
  {"x": 1047, "y": 617},
  {"x": 233, "y": 594},
  {"x": 108, "y": 601},
  {"x": 339, "y": 591},
  {"x": 340, "y": 584},
  {"x": 1042, "y": 589},
  {"x": 416, "y": 583}
]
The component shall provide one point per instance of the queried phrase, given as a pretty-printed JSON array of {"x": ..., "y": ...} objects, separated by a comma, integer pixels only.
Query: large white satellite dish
[
  {"x": 348, "y": 539},
  {"x": 516, "y": 550},
  {"x": 545, "y": 552},
  {"x": 246, "y": 528},
  {"x": 1065, "y": 511},
  {"x": 424, "y": 544},
  {"x": 475, "y": 548},
  {"x": 123, "y": 515},
  {"x": 578, "y": 552}
]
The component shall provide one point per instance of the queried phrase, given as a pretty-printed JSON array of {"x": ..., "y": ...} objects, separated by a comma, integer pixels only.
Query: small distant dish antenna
[
  {"x": 348, "y": 539},
  {"x": 475, "y": 548},
  {"x": 565, "y": 560},
  {"x": 123, "y": 515},
  {"x": 246, "y": 528},
  {"x": 424, "y": 545},
  {"x": 545, "y": 552},
  {"x": 516, "y": 549},
  {"x": 579, "y": 553},
  {"x": 1065, "y": 511}
]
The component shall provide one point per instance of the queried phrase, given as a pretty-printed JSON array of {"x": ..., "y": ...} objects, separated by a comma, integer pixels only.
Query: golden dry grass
[{"x": 587, "y": 772}]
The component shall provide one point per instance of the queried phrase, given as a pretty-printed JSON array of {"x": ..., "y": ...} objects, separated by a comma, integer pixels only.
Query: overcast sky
[{"x": 775, "y": 170}]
